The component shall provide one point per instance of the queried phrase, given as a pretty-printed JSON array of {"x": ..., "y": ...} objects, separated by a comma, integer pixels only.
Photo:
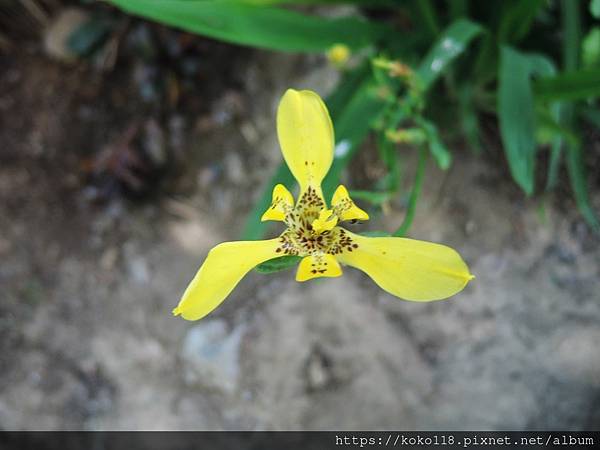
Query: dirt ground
[{"x": 88, "y": 276}]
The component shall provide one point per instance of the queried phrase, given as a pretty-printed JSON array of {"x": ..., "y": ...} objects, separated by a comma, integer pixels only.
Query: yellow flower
[{"x": 409, "y": 269}]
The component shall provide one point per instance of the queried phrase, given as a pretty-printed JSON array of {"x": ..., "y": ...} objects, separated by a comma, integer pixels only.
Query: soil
[{"x": 100, "y": 231}]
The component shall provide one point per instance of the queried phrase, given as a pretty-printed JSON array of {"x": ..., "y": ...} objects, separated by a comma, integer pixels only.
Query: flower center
[
  {"x": 312, "y": 229},
  {"x": 326, "y": 221}
]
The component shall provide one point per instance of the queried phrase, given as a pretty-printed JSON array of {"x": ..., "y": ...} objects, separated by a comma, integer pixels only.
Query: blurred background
[{"x": 137, "y": 134}]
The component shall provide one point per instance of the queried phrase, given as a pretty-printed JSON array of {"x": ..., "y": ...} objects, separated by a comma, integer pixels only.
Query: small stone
[
  {"x": 234, "y": 168},
  {"x": 138, "y": 270},
  {"x": 318, "y": 375},
  {"x": 211, "y": 355},
  {"x": 250, "y": 133},
  {"x": 154, "y": 143},
  {"x": 57, "y": 34},
  {"x": 109, "y": 258}
]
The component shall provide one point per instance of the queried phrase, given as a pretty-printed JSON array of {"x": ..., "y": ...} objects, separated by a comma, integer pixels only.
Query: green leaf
[
  {"x": 257, "y": 26},
  {"x": 592, "y": 116},
  {"x": 577, "y": 177},
  {"x": 577, "y": 85},
  {"x": 388, "y": 154},
  {"x": 590, "y": 48},
  {"x": 458, "y": 8},
  {"x": 429, "y": 17},
  {"x": 572, "y": 30},
  {"x": 366, "y": 3},
  {"x": 468, "y": 116},
  {"x": 517, "y": 20},
  {"x": 551, "y": 126},
  {"x": 517, "y": 113},
  {"x": 452, "y": 42},
  {"x": 595, "y": 8},
  {"x": 438, "y": 149},
  {"x": 352, "y": 125},
  {"x": 278, "y": 264},
  {"x": 571, "y": 21}
]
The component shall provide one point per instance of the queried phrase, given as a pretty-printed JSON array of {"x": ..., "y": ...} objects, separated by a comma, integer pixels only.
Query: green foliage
[
  {"x": 517, "y": 113},
  {"x": 278, "y": 264},
  {"x": 595, "y": 8},
  {"x": 496, "y": 57},
  {"x": 578, "y": 85},
  {"x": 590, "y": 49},
  {"x": 267, "y": 27},
  {"x": 450, "y": 44}
]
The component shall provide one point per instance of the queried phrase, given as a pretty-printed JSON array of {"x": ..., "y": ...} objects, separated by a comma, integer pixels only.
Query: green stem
[{"x": 414, "y": 195}]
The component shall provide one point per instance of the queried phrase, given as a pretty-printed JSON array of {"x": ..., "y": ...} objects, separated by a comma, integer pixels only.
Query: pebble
[{"x": 211, "y": 355}]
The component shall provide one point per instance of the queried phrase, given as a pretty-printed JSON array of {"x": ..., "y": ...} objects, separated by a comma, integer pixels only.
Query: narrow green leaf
[
  {"x": 517, "y": 19},
  {"x": 278, "y": 264},
  {"x": 429, "y": 17},
  {"x": 550, "y": 123},
  {"x": 590, "y": 48},
  {"x": 468, "y": 116},
  {"x": 438, "y": 149},
  {"x": 366, "y": 3},
  {"x": 577, "y": 85},
  {"x": 257, "y": 26},
  {"x": 595, "y": 8},
  {"x": 452, "y": 42},
  {"x": 572, "y": 31},
  {"x": 592, "y": 116},
  {"x": 458, "y": 8},
  {"x": 388, "y": 154},
  {"x": 346, "y": 89},
  {"x": 352, "y": 126},
  {"x": 571, "y": 19},
  {"x": 577, "y": 177},
  {"x": 517, "y": 113}
]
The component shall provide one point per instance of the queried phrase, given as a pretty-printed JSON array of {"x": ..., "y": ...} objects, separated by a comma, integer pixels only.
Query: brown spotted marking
[{"x": 301, "y": 240}]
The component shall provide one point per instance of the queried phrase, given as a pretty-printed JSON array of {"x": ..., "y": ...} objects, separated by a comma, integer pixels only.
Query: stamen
[{"x": 326, "y": 221}]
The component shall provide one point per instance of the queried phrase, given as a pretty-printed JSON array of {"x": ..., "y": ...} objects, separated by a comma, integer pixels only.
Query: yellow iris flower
[{"x": 410, "y": 269}]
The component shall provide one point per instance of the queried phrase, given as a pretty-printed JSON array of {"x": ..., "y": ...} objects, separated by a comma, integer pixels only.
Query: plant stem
[{"x": 414, "y": 195}]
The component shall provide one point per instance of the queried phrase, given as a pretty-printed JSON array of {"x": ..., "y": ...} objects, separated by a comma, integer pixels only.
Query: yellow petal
[
  {"x": 306, "y": 137},
  {"x": 281, "y": 204},
  {"x": 224, "y": 267},
  {"x": 410, "y": 269},
  {"x": 344, "y": 206},
  {"x": 318, "y": 266}
]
